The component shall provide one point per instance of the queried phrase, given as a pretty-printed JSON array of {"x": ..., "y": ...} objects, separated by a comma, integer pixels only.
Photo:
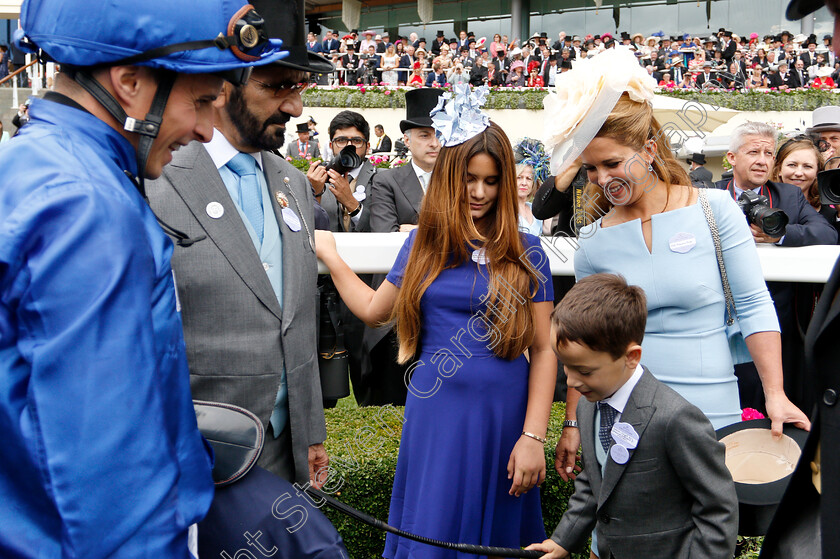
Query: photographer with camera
[{"x": 778, "y": 213}]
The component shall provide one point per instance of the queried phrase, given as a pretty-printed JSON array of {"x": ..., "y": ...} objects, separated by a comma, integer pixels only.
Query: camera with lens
[
  {"x": 346, "y": 160},
  {"x": 828, "y": 185},
  {"x": 756, "y": 207},
  {"x": 400, "y": 148}
]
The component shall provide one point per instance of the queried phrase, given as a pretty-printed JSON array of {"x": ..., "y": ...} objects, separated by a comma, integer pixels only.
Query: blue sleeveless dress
[{"x": 464, "y": 413}]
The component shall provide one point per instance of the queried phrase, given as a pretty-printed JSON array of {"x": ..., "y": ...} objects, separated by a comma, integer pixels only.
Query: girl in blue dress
[{"x": 470, "y": 295}]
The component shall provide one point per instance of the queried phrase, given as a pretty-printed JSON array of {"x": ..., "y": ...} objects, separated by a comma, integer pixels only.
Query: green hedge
[
  {"x": 363, "y": 444},
  {"x": 376, "y": 97}
]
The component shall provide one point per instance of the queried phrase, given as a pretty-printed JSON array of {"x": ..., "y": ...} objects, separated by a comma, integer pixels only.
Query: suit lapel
[
  {"x": 637, "y": 413},
  {"x": 409, "y": 186},
  {"x": 292, "y": 259},
  {"x": 194, "y": 176}
]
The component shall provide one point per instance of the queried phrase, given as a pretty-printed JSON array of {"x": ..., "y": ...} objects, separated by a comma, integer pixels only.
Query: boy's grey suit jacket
[
  {"x": 674, "y": 497},
  {"x": 237, "y": 334}
]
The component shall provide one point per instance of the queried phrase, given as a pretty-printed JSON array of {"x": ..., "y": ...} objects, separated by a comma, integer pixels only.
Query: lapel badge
[{"x": 281, "y": 199}]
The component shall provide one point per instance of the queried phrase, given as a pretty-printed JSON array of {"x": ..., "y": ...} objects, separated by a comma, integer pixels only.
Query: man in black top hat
[
  {"x": 699, "y": 175},
  {"x": 351, "y": 62},
  {"x": 396, "y": 196},
  {"x": 438, "y": 42},
  {"x": 303, "y": 147},
  {"x": 728, "y": 47},
  {"x": 501, "y": 67}
]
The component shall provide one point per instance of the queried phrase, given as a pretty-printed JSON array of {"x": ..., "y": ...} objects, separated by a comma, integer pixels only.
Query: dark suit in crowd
[
  {"x": 701, "y": 175},
  {"x": 396, "y": 196},
  {"x": 805, "y": 524},
  {"x": 777, "y": 80},
  {"x": 384, "y": 145},
  {"x": 806, "y": 227}
]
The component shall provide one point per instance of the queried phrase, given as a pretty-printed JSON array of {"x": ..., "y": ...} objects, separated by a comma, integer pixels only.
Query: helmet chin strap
[{"x": 147, "y": 129}]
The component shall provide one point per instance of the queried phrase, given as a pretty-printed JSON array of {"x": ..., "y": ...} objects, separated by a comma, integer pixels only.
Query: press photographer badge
[
  {"x": 291, "y": 219},
  {"x": 682, "y": 242}
]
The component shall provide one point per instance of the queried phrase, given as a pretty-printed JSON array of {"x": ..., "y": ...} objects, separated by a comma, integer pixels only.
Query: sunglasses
[
  {"x": 284, "y": 88},
  {"x": 821, "y": 145}
]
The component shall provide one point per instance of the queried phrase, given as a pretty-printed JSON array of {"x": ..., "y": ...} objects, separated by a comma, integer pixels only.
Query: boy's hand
[
  {"x": 552, "y": 549},
  {"x": 526, "y": 466},
  {"x": 565, "y": 454}
]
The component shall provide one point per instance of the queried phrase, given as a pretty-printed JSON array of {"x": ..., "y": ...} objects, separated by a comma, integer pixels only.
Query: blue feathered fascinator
[{"x": 532, "y": 152}]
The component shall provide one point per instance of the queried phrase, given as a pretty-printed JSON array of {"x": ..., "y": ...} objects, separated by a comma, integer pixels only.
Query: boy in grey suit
[{"x": 655, "y": 482}]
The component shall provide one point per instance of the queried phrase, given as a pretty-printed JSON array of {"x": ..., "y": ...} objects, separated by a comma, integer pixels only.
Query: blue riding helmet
[{"x": 180, "y": 35}]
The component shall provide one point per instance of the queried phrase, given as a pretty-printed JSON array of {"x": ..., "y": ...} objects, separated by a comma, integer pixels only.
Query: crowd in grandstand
[{"x": 721, "y": 60}]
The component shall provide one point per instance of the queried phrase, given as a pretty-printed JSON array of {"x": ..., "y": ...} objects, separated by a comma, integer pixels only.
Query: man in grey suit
[
  {"x": 248, "y": 289},
  {"x": 396, "y": 195},
  {"x": 655, "y": 482},
  {"x": 304, "y": 147}
]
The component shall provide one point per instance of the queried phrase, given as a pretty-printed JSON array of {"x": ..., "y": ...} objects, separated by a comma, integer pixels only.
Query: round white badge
[
  {"x": 624, "y": 435},
  {"x": 479, "y": 256},
  {"x": 215, "y": 210},
  {"x": 619, "y": 454}
]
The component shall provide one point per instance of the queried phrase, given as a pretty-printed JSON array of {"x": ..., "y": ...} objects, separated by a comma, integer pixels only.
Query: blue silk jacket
[{"x": 100, "y": 455}]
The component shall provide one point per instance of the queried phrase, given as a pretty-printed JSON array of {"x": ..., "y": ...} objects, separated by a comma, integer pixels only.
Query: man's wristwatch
[
  {"x": 357, "y": 211},
  {"x": 570, "y": 423}
]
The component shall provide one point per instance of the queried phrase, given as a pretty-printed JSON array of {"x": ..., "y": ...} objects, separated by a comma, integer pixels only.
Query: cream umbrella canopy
[{"x": 691, "y": 118}]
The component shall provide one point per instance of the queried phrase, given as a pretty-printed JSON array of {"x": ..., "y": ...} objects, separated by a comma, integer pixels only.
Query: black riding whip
[{"x": 376, "y": 523}]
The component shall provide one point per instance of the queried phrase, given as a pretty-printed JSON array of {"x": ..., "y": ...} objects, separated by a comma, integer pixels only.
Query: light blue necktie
[{"x": 250, "y": 196}]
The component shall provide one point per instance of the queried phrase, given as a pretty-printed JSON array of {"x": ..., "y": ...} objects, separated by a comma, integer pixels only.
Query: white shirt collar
[
  {"x": 221, "y": 151},
  {"x": 619, "y": 400},
  {"x": 420, "y": 174},
  {"x": 354, "y": 173}
]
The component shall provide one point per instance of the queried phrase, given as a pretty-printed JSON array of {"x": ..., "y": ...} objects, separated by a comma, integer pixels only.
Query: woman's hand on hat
[
  {"x": 781, "y": 410},
  {"x": 564, "y": 180}
]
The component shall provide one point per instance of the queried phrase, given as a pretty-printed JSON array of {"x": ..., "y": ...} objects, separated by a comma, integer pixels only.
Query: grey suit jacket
[
  {"x": 674, "y": 497},
  {"x": 238, "y": 337},
  {"x": 313, "y": 150},
  {"x": 701, "y": 174},
  {"x": 331, "y": 206},
  {"x": 396, "y": 196}
]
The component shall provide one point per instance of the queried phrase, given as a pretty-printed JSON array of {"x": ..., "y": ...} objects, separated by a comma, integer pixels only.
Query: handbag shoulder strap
[{"x": 727, "y": 292}]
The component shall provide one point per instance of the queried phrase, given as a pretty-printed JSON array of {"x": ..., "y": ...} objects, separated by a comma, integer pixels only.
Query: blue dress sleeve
[
  {"x": 539, "y": 262},
  {"x": 753, "y": 303},
  {"x": 395, "y": 276}
]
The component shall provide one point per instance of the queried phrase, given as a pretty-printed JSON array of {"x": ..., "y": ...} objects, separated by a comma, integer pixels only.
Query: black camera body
[
  {"x": 828, "y": 184},
  {"x": 756, "y": 207},
  {"x": 346, "y": 160}
]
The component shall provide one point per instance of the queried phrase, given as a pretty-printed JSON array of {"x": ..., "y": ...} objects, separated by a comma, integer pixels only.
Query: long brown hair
[
  {"x": 632, "y": 124},
  {"x": 813, "y": 195},
  {"x": 446, "y": 231}
]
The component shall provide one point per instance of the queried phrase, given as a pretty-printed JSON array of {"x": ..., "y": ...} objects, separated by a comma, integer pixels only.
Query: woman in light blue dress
[
  {"x": 526, "y": 185},
  {"x": 648, "y": 225}
]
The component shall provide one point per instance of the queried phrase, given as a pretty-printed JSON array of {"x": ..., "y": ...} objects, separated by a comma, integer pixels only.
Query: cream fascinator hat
[{"x": 583, "y": 98}]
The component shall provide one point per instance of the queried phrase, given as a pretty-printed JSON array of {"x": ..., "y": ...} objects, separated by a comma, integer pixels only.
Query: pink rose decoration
[
  {"x": 748, "y": 414},
  {"x": 388, "y": 92}
]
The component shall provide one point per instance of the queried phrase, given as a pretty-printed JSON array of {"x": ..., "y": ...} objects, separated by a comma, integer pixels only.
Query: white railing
[{"x": 375, "y": 253}]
